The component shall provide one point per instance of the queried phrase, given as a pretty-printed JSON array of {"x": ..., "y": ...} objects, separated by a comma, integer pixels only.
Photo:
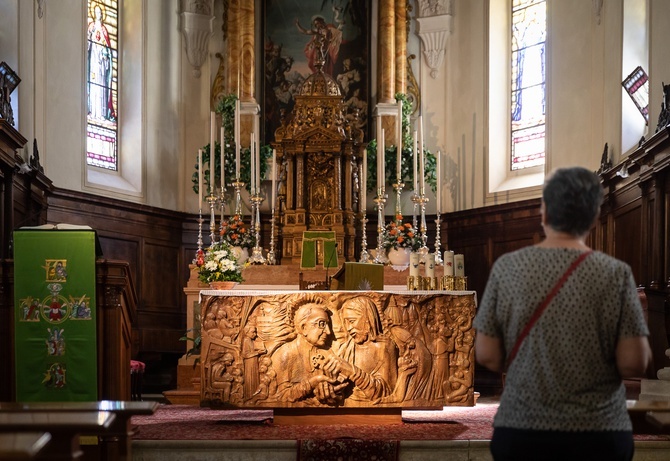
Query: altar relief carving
[{"x": 338, "y": 349}]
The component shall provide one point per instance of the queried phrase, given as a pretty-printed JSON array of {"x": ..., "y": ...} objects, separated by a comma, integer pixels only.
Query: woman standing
[{"x": 566, "y": 325}]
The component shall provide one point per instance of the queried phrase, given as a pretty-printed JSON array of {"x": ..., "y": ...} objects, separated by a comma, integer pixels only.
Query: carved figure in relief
[
  {"x": 460, "y": 382},
  {"x": 250, "y": 354},
  {"x": 440, "y": 343},
  {"x": 299, "y": 378},
  {"x": 221, "y": 377},
  {"x": 367, "y": 358}
]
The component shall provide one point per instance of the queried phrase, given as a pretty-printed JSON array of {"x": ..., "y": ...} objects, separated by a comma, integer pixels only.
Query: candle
[
  {"x": 257, "y": 152},
  {"x": 438, "y": 190},
  {"x": 448, "y": 262},
  {"x": 430, "y": 265},
  {"x": 236, "y": 135},
  {"x": 364, "y": 182},
  {"x": 252, "y": 159},
  {"x": 459, "y": 266},
  {"x": 223, "y": 157},
  {"x": 274, "y": 176},
  {"x": 200, "y": 179},
  {"x": 382, "y": 166},
  {"x": 212, "y": 149},
  {"x": 414, "y": 260},
  {"x": 379, "y": 153},
  {"x": 414, "y": 158},
  {"x": 422, "y": 160},
  {"x": 399, "y": 144}
]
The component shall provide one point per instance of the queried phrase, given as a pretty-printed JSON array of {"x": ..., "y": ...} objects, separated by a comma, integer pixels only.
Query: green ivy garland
[
  {"x": 226, "y": 108},
  {"x": 407, "y": 166}
]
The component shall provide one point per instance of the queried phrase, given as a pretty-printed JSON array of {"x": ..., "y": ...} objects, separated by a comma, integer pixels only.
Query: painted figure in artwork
[
  {"x": 324, "y": 44},
  {"x": 100, "y": 102}
]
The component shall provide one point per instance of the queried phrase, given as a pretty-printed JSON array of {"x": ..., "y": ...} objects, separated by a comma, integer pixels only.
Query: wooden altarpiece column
[{"x": 319, "y": 151}]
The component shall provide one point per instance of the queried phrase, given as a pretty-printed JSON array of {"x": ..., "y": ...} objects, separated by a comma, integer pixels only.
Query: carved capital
[
  {"x": 196, "y": 22},
  {"x": 434, "y": 31}
]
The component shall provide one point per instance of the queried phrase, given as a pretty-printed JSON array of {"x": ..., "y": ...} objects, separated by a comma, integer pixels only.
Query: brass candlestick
[
  {"x": 257, "y": 253},
  {"x": 271, "y": 260},
  {"x": 438, "y": 250},
  {"x": 212, "y": 200},
  {"x": 380, "y": 200},
  {"x": 365, "y": 256}
]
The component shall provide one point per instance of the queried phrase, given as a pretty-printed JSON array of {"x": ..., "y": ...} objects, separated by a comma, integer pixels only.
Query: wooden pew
[
  {"x": 64, "y": 427},
  {"x": 649, "y": 416},
  {"x": 116, "y": 440},
  {"x": 22, "y": 446}
]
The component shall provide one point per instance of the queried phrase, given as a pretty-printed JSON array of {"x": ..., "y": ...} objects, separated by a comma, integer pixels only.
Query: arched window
[
  {"x": 516, "y": 97},
  {"x": 102, "y": 84},
  {"x": 529, "y": 34}
]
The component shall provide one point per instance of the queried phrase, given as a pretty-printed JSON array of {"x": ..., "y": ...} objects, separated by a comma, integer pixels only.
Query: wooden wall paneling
[{"x": 7, "y": 386}]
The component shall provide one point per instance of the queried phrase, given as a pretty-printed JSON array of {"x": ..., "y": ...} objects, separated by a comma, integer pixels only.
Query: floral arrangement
[
  {"x": 236, "y": 234},
  {"x": 219, "y": 264},
  {"x": 400, "y": 235}
]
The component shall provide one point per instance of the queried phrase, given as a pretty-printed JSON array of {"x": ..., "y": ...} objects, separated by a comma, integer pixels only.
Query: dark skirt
[{"x": 522, "y": 444}]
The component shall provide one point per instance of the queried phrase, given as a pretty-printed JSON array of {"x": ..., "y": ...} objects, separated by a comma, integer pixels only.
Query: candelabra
[
  {"x": 380, "y": 200},
  {"x": 199, "y": 254},
  {"x": 212, "y": 200},
  {"x": 222, "y": 201},
  {"x": 257, "y": 253},
  {"x": 423, "y": 251},
  {"x": 271, "y": 254},
  {"x": 365, "y": 256},
  {"x": 238, "y": 185},
  {"x": 438, "y": 244},
  {"x": 398, "y": 190},
  {"x": 416, "y": 198}
]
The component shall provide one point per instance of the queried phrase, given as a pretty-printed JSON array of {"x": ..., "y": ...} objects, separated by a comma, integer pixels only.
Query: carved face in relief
[
  {"x": 356, "y": 325},
  {"x": 313, "y": 323}
]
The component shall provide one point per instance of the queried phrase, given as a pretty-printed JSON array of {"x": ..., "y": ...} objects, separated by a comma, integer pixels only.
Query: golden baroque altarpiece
[{"x": 335, "y": 349}]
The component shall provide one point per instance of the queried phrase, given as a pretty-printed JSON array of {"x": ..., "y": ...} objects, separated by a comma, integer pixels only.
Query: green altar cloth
[
  {"x": 312, "y": 242},
  {"x": 358, "y": 276}
]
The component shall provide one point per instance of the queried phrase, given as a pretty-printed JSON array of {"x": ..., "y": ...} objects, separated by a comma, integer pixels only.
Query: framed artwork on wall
[{"x": 289, "y": 31}]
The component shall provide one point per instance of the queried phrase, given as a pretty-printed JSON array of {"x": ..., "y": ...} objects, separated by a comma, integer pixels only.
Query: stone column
[
  {"x": 386, "y": 50},
  {"x": 247, "y": 54},
  {"x": 401, "y": 46},
  {"x": 233, "y": 54}
]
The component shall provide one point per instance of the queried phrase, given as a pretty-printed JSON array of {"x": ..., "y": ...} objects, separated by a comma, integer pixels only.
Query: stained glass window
[
  {"x": 102, "y": 84},
  {"x": 529, "y": 32}
]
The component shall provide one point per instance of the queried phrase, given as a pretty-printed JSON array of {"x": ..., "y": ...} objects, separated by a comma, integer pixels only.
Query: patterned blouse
[{"x": 564, "y": 376}]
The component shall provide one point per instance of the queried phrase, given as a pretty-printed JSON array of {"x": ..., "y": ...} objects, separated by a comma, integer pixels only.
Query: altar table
[{"x": 337, "y": 349}]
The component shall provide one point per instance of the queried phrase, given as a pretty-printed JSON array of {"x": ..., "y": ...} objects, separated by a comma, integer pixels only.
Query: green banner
[
  {"x": 55, "y": 316},
  {"x": 318, "y": 247}
]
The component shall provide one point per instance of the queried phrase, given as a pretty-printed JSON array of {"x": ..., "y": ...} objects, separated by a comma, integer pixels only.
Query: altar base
[{"x": 316, "y": 417}]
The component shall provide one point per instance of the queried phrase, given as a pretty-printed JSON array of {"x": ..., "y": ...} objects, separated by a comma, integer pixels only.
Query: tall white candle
[
  {"x": 364, "y": 182},
  {"x": 414, "y": 261},
  {"x": 252, "y": 159},
  {"x": 223, "y": 157},
  {"x": 399, "y": 144},
  {"x": 383, "y": 164},
  {"x": 438, "y": 189},
  {"x": 415, "y": 161},
  {"x": 212, "y": 149},
  {"x": 274, "y": 176},
  {"x": 430, "y": 265},
  {"x": 199, "y": 179},
  {"x": 236, "y": 134},
  {"x": 448, "y": 262},
  {"x": 257, "y": 151},
  {"x": 459, "y": 266},
  {"x": 380, "y": 138},
  {"x": 422, "y": 161}
]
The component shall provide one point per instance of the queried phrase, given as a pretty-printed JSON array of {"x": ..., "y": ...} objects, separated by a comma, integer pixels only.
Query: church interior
[{"x": 167, "y": 126}]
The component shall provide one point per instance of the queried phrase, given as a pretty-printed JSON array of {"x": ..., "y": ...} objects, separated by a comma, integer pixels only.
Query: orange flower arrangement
[
  {"x": 236, "y": 233},
  {"x": 401, "y": 235}
]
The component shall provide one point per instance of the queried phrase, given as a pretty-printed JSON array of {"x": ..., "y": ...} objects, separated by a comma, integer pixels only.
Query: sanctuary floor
[{"x": 178, "y": 432}]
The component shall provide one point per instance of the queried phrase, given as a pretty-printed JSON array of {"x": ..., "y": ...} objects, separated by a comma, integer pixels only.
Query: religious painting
[{"x": 291, "y": 28}]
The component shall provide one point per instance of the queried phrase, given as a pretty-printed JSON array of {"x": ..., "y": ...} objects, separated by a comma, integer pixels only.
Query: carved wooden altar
[
  {"x": 337, "y": 349},
  {"x": 319, "y": 151}
]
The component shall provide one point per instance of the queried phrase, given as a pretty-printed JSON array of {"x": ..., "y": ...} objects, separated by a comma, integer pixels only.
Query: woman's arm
[
  {"x": 633, "y": 356},
  {"x": 489, "y": 352}
]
